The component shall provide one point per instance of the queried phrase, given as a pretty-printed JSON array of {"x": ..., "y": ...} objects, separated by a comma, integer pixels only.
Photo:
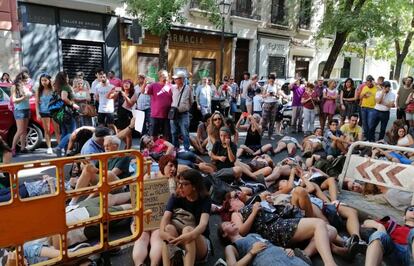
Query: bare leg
[
  {"x": 300, "y": 198},
  {"x": 280, "y": 147},
  {"x": 277, "y": 172},
  {"x": 330, "y": 184},
  {"x": 140, "y": 251},
  {"x": 156, "y": 248},
  {"x": 291, "y": 148},
  {"x": 374, "y": 254},
  {"x": 264, "y": 149},
  {"x": 56, "y": 130},
  {"x": 320, "y": 194},
  {"x": 165, "y": 255},
  {"x": 352, "y": 222},
  {"x": 313, "y": 227},
  {"x": 46, "y": 128}
]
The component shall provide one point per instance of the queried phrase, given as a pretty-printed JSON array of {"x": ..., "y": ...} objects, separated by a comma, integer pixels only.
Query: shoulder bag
[
  {"x": 182, "y": 218},
  {"x": 173, "y": 113}
]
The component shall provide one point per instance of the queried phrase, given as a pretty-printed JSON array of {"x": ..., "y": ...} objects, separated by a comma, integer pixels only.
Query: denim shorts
[
  {"x": 394, "y": 254},
  {"x": 32, "y": 252},
  {"x": 21, "y": 114},
  {"x": 401, "y": 158}
]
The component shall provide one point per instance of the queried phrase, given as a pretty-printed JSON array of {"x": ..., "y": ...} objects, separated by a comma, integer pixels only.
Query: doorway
[{"x": 242, "y": 59}]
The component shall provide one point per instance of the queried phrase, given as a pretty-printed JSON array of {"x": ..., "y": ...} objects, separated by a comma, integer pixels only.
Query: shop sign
[
  {"x": 185, "y": 38},
  {"x": 75, "y": 19}
]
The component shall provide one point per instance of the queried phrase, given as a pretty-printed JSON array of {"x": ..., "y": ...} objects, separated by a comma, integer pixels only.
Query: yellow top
[{"x": 368, "y": 102}]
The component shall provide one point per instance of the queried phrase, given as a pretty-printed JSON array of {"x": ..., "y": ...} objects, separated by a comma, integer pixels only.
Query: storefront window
[
  {"x": 203, "y": 68},
  {"x": 148, "y": 64}
]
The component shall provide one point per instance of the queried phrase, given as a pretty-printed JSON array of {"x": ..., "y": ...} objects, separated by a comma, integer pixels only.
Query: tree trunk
[
  {"x": 163, "y": 55},
  {"x": 340, "y": 39},
  {"x": 398, "y": 66}
]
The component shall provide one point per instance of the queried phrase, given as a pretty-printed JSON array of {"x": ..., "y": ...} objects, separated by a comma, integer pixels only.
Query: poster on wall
[
  {"x": 148, "y": 64},
  {"x": 203, "y": 68}
]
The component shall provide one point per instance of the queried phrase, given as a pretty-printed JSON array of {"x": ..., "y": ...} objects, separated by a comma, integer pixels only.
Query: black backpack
[
  {"x": 335, "y": 168},
  {"x": 218, "y": 189}
]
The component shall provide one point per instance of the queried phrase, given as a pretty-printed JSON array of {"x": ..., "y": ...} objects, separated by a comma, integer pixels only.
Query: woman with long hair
[
  {"x": 21, "y": 109},
  {"x": 43, "y": 95},
  {"x": 348, "y": 100},
  {"x": 82, "y": 97},
  {"x": 5, "y": 78},
  {"x": 125, "y": 104},
  {"x": 213, "y": 129},
  {"x": 65, "y": 92},
  {"x": 192, "y": 197}
]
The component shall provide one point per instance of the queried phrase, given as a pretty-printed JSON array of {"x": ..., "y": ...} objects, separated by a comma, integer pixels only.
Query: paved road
[{"x": 124, "y": 257}]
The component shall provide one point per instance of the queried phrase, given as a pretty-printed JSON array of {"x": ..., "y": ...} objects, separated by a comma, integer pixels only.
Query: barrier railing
[
  {"x": 378, "y": 172},
  {"x": 23, "y": 220}
]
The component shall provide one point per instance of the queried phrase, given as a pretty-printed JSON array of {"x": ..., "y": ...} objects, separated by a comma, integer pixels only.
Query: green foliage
[{"x": 158, "y": 16}]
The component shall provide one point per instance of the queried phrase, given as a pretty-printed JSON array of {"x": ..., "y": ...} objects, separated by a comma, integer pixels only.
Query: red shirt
[
  {"x": 309, "y": 104},
  {"x": 159, "y": 146}
]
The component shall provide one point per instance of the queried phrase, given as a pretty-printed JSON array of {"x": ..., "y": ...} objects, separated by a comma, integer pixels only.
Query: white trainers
[{"x": 49, "y": 151}]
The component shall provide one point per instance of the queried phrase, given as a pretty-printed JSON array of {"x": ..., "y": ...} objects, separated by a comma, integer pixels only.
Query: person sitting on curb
[{"x": 391, "y": 242}]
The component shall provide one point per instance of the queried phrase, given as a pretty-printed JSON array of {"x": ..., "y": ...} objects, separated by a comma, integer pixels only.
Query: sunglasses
[
  {"x": 410, "y": 209},
  {"x": 217, "y": 119}
]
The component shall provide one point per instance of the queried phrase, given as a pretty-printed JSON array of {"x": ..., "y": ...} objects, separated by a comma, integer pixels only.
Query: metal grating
[{"x": 80, "y": 56}]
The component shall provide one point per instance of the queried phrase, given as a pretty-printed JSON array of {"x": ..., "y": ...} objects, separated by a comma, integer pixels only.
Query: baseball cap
[
  {"x": 370, "y": 78},
  {"x": 141, "y": 75},
  {"x": 179, "y": 75}
]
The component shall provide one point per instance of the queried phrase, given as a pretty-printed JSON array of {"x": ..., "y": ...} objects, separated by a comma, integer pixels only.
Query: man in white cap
[{"x": 182, "y": 99}]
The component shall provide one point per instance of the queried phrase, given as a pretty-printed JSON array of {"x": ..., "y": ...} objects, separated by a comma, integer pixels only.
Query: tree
[
  {"x": 343, "y": 17},
  {"x": 158, "y": 16}
]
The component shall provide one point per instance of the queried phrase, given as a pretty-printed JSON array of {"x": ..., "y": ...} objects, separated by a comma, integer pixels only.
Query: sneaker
[
  {"x": 355, "y": 246},
  {"x": 49, "y": 151},
  {"x": 80, "y": 246},
  {"x": 58, "y": 152},
  {"x": 271, "y": 138}
]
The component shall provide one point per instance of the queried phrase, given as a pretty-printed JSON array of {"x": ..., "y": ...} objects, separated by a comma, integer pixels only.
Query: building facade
[{"x": 10, "y": 59}]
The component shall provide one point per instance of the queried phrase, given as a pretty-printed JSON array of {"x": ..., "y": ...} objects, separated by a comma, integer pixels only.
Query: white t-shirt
[
  {"x": 388, "y": 98},
  {"x": 93, "y": 86},
  {"x": 257, "y": 103},
  {"x": 268, "y": 89},
  {"x": 105, "y": 105}
]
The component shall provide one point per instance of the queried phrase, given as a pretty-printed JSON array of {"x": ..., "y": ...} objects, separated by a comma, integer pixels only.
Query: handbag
[
  {"x": 173, "y": 113},
  {"x": 88, "y": 110},
  {"x": 182, "y": 218}
]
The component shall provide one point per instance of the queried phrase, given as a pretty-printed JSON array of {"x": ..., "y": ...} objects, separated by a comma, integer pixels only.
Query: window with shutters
[
  {"x": 279, "y": 12},
  {"x": 305, "y": 14},
  {"x": 242, "y": 8}
]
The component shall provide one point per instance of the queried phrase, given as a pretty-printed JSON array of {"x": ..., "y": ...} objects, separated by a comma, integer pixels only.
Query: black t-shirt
[
  {"x": 121, "y": 163},
  {"x": 219, "y": 150},
  {"x": 198, "y": 207}
]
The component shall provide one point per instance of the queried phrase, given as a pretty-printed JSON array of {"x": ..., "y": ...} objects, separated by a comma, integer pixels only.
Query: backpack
[
  {"x": 55, "y": 104},
  {"x": 218, "y": 189},
  {"x": 322, "y": 164},
  {"x": 336, "y": 167}
]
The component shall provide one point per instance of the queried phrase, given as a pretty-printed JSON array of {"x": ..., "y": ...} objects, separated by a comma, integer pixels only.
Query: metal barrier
[
  {"x": 378, "y": 172},
  {"x": 23, "y": 220}
]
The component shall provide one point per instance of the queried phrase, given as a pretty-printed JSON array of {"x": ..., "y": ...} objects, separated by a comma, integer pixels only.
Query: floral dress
[{"x": 271, "y": 226}]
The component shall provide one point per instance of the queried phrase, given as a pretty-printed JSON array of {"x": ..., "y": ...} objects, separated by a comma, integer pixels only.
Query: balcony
[
  {"x": 244, "y": 8},
  {"x": 279, "y": 13}
]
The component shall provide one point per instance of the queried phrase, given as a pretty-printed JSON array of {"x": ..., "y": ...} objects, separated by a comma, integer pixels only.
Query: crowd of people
[{"x": 282, "y": 211}]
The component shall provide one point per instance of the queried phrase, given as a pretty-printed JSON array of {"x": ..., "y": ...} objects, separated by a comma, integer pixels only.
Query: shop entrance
[
  {"x": 82, "y": 56},
  {"x": 242, "y": 59}
]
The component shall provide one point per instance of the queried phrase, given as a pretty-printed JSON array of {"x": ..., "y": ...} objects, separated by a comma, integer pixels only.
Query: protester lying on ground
[
  {"x": 253, "y": 141},
  {"x": 313, "y": 143},
  {"x": 252, "y": 249},
  {"x": 199, "y": 142},
  {"x": 193, "y": 198},
  {"x": 258, "y": 168},
  {"x": 396, "y": 198},
  {"x": 36, "y": 188},
  {"x": 284, "y": 228},
  {"x": 391, "y": 242},
  {"x": 391, "y": 135},
  {"x": 282, "y": 169},
  {"x": 159, "y": 147}
]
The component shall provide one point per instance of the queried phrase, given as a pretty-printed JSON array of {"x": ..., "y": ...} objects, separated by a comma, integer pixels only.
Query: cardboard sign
[{"x": 156, "y": 195}]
